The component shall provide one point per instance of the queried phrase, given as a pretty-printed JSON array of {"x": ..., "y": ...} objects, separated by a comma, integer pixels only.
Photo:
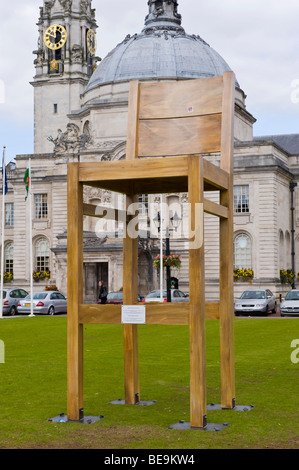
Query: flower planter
[
  {"x": 41, "y": 276},
  {"x": 287, "y": 276},
  {"x": 243, "y": 275},
  {"x": 171, "y": 261}
]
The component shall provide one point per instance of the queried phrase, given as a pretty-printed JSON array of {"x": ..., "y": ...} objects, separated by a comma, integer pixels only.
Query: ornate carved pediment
[
  {"x": 90, "y": 193},
  {"x": 85, "y": 7},
  {"x": 68, "y": 141},
  {"x": 76, "y": 54},
  {"x": 145, "y": 244},
  {"x": 71, "y": 141},
  {"x": 103, "y": 196},
  {"x": 65, "y": 4},
  {"x": 94, "y": 242},
  {"x": 48, "y": 6},
  {"x": 39, "y": 57},
  {"x": 86, "y": 138}
]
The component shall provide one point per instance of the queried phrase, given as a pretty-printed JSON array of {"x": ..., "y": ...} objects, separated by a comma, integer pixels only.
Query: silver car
[
  {"x": 176, "y": 296},
  {"x": 11, "y": 298},
  {"x": 290, "y": 304},
  {"x": 46, "y": 303},
  {"x": 256, "y": 301}
]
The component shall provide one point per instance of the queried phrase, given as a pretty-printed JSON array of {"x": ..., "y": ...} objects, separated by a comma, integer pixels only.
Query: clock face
[
  {"x": 91, "y": 41},
  {"x": 55, "y": 37}
]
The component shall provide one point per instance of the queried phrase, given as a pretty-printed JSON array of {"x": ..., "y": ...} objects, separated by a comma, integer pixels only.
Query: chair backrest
[{"x": 178, "y": 117}]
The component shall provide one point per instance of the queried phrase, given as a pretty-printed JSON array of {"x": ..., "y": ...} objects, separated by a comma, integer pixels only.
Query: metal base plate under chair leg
[
  {"x": 62, "y": 418},
  {"x": 119, "y": 401},
  {"x": 208, "y": 427},
  {"x": 212, "y": 406}
]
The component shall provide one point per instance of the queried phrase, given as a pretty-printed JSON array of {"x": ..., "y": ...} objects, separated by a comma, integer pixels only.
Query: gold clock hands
[{"x": 53, "y": 32}]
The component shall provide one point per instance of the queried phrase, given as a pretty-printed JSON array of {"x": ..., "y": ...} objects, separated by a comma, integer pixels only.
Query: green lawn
[{"x": 33, "y": 387}]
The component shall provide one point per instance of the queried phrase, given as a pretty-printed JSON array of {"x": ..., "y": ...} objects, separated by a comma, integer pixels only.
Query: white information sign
[{"x": 134, "y": 314}]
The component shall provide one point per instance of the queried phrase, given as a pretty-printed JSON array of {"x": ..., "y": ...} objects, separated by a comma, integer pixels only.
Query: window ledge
[
  {"x": 41, "y": 223},
  {"x": 243, "y": 218}
]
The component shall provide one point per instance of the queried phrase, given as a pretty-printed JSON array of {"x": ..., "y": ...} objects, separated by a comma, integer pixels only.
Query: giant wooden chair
[{"x": 180, "y": 121}]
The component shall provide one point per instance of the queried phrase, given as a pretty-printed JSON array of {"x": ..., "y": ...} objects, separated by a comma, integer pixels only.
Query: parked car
[
  {"x": 256, "y": 301},
  {"x": 116, "y": 298},
  {"x": 47, "y": 303},
  {"x": 11, "y": 299},
  {"x": 290, "y": 304},
  {"x": 176, "y": 296}
]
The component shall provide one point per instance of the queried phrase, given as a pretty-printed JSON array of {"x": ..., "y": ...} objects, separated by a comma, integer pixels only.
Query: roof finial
[{"x": 163, "y": 14}]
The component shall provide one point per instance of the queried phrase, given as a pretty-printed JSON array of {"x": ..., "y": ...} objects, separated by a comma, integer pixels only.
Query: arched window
[
  {"x": 8, "y": 258},
  {"x": 242, "y": 251},
  {"x": 42, "y": 254}
]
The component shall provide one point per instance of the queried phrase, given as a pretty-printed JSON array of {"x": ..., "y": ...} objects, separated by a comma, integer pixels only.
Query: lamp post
[
  {"x": 175, "y": 221},
  {"x": 292, "y": 189}
]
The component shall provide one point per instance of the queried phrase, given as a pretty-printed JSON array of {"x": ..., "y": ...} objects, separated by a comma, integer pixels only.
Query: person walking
[{"x": 103, "y": 292}]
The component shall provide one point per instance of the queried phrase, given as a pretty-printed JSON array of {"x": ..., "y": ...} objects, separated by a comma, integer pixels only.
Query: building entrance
[{"x": 93, "y": 273}]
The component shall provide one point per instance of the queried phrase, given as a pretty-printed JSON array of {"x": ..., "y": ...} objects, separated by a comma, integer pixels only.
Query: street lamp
[
  {"x": 175, "y": 222},
  {"x": 292, "y": 189}
]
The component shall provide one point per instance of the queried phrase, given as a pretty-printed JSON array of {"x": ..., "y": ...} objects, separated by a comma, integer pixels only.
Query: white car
[
  {"x": 290, "y": 304},
  {"x": 47, "y": 303},
  {"x": 256, "y": 301},
  {"x": 176, "y": 296}
]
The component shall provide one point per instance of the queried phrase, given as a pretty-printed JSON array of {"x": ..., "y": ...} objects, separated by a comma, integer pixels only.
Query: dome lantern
[
  {"x": 162, "y": 51},
  {"x": 163, "y": 14}
]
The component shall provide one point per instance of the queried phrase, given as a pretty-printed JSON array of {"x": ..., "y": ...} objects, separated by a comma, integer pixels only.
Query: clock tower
[{"x": 65, "y": 60}]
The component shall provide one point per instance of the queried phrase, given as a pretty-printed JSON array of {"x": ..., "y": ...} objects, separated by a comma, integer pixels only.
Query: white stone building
[{"x": 80, "y": 113}]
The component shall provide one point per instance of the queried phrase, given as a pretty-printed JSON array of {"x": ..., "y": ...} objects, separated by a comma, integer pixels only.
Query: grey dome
[{"x": 161, "y": 51}]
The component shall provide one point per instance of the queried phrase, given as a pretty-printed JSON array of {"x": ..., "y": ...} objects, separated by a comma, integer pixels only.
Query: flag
[
  {"x": 26, "y": 181},
  {"x": 5, "y": 176}
]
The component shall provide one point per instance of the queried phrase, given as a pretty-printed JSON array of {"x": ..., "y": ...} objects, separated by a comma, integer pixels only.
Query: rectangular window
[
  {"x": 143, "y": 204},
  {"x": 55, "y": 108},
  {"x": 9, "y": 214},
  {"x": 42, "y": 263},
  {"x": 8, "y": 265},
  {"x": 241, "y": 199},
  {"x": 41, "y": 206}
]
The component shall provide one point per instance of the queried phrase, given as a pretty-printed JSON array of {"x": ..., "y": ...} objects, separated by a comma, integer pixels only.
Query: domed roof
[{"x": 162, "y": 50}]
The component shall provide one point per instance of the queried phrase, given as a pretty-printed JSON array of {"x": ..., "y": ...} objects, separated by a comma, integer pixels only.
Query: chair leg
[
  {"x": 130, "y": 332},
  {"x": 75, "y": 295},
  {"x": 227, "y": 308},
  {"x": 198, "y": 405}
]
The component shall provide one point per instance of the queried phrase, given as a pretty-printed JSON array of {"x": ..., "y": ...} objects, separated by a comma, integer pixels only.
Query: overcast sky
[{"x": 259, "y": 39}]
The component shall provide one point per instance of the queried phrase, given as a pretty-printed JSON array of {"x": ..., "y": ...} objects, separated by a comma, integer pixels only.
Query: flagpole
[
  {"x": 30, "y": 241},
  {"x": 161, "y": 249},
  {"x": 2, "y": 233}
]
